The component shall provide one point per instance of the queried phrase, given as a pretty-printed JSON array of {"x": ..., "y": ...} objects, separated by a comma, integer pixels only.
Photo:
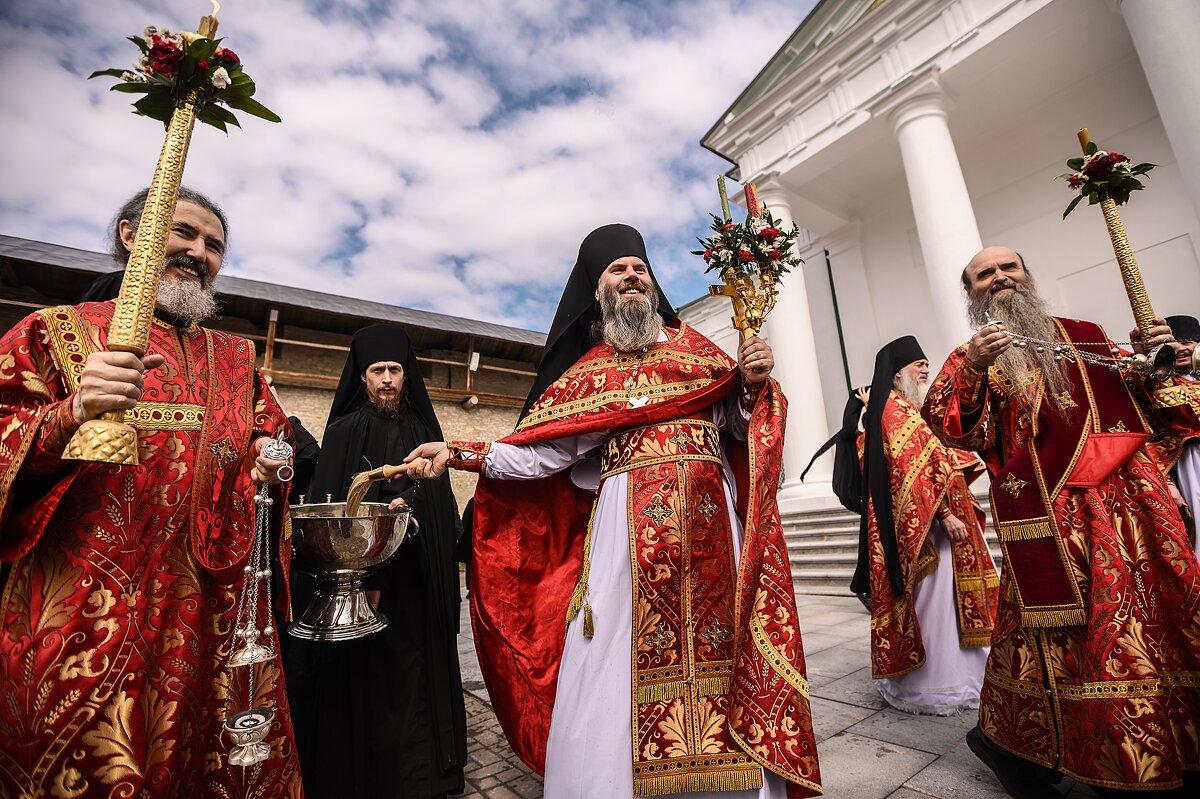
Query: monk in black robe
[{"x": 383, "y": 716}]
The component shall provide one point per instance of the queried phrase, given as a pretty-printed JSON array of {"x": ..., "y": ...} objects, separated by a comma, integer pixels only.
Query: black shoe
[{"x": 1018, "y": 777}]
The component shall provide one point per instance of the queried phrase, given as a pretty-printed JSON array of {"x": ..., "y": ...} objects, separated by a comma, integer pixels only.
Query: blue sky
[{"x": 439, "y": 154}]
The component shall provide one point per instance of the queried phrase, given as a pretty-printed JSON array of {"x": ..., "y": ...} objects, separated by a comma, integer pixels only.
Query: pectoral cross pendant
[{"x": 637, "y": 402}]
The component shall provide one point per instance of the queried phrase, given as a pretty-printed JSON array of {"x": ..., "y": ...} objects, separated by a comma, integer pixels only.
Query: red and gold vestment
[
  {"x": 925, "y": 475},
  {"x": 118, "y": 603},
  {"x": 1095, "y": 662},
  {"x": 719, "y": 688}
]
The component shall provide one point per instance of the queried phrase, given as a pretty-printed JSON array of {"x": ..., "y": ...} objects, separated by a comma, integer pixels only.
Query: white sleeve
[
  {"x": 730, "y": 414},
  {"x": 534, "y": 461}
]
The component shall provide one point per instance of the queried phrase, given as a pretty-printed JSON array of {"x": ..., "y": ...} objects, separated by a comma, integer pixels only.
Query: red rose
[
  {"x": 165, "y": 56},
  {"x": 202, "y": 65},
  {"x": 707, "y": 255},
  {"x": 1074, "y": 181},
  {"x": 728, "y": 226},
  {"x": 745, "y": 255},
  {"x": 769, "y": 233},
  {"x": 774, "y": 255},
  {"x": 227, "y": 56}
]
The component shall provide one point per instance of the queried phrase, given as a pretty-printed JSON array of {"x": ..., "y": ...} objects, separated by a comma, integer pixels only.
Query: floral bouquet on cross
[
  {"x": 751, "y": 257},
  {"x": 1101, "y": 175},
  {"x": 177, "y": 68}
]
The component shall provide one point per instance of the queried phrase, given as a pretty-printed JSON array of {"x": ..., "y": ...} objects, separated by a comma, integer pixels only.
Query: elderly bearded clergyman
[
  {"x": 1095, "y": 663},
  {"x": 120, "y": 583},
  {"x": 632, "y": 603}
]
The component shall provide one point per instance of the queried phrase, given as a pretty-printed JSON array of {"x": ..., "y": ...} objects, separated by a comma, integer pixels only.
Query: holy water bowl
[{"x": 340, "y": 552}]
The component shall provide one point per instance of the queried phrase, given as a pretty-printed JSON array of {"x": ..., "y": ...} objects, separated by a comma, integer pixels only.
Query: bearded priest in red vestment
[
  {"x": 922, "y": 555},
  {"x": 631, "y": 595},
  {"x": 120, "y": 582},
  {"x": 1095, "y": 664}
]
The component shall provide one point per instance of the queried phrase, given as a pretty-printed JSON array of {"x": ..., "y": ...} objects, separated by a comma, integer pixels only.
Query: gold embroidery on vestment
[
  {"x": 153, "y": 416},
  {"x": 1014, "y": 484}
]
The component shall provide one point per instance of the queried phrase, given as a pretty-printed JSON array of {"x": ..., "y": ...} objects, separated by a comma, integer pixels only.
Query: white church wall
[{"x": 1073, "y": 259}]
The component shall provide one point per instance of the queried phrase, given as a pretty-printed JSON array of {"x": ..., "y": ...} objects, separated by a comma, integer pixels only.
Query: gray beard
[
  {"x": 629, "y": 326},
  {"x": 189, "y": 301},
  {"x": 912, "y": 389},
  {"x": 1024, "y": 313}
]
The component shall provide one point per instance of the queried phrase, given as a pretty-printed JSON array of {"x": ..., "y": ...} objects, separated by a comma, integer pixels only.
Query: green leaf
[
  {"x": 109, "y": 73},
  {"x": 254, "y": 108},
  {"x": 1071, "y": 206},
  {"x": 215, "y": 113},
  {"x": 140, "y": 42},
  {"x": 216, "y": 123},
  {"x": 1075, "y": 163},
  {"x": 1091, "y": 148},
  {"x": 158, "y": 105},
  {"x": 134, "y": 88},
  {"x": 202, "y": 48}
]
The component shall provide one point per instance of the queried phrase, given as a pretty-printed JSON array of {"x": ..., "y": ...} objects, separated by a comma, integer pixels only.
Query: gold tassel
[
  {"x": 579, "y": 595},
  {"x": 1063, "y": 617}
]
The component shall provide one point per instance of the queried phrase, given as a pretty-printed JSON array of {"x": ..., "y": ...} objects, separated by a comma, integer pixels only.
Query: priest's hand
[
  {"x": 955, "y": 529},
  {"x": 1146, "y": 340},
  {"x": 111, "y": 381},
  {"x": 755, "y": 361},
  {"x": 1176, "y": 496},
  {"x": 266, "y": 470},
  {"x": 398, "y": 502},
  {"x": 428, "y": 460},
  {"x": 988, "y": 343}
]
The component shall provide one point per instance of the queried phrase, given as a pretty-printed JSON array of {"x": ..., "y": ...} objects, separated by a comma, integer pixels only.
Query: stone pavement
[{"x": 867, "y": 750}]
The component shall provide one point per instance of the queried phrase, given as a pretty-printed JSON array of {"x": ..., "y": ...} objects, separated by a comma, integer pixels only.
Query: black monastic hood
[
  {"x": 570, "y": 335},
  {"x": 888, "y": 361},
  {"x": 382, "y": 343}
]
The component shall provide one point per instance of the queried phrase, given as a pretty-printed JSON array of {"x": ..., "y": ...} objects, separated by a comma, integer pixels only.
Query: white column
[
  {"x": 790, "y": 333},
  {"x": 942, "y": 210},
  {"x": 1164, "y": 35}
]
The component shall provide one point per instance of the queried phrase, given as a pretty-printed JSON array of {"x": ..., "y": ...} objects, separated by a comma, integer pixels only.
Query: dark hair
[
  {"x": 132, "y": 210},
  {"x": 966, "y": 281}
]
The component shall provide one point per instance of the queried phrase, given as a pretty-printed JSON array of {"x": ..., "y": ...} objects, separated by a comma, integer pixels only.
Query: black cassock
[{"x": 383, "y": 716}]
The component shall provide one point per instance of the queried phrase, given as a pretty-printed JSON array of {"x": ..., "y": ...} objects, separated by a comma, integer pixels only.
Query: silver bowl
[{"x": 340, "y": 552}]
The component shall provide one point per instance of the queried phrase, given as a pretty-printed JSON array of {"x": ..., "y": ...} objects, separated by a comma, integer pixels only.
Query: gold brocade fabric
[
  {"x": 117, "y": 614},
  {"x": 1113, "y": 702},
  {"x": 683, "y": 581}
]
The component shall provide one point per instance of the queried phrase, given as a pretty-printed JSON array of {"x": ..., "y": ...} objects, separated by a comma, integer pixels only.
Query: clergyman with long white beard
[
  {"x": 922, "y": 556},
  {"x": 1097, "y": 638}
]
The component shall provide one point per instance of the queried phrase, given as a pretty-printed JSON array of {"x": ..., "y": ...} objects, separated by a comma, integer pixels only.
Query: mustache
[
  {"x": 183, "y": 259},
  {"x": 1002, "y": 283}
]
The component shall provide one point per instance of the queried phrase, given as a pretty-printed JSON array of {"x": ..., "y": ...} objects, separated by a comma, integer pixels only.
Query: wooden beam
[{"x": 269, "y": 355}]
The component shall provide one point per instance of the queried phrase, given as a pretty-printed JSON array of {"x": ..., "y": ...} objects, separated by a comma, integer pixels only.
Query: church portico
[{"x": 903, "y": 135}]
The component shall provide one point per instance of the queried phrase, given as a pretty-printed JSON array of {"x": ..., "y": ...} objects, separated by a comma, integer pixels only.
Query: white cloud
[{"x": 468, "y": 144}]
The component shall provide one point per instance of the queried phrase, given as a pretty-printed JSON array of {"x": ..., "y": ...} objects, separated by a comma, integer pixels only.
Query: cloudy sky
[{"x": 439, "y": 154}]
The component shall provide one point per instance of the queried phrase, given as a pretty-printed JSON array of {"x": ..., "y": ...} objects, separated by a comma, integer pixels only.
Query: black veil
[
  {"x": 888, "y": 361},
  {"x": 570, "y": 334}
]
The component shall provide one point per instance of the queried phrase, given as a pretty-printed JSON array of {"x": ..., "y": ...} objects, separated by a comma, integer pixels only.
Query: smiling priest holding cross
[{"x": 670, "y": 616}]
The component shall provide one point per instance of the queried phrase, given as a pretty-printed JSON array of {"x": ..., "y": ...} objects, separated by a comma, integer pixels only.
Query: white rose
[
  {"x": 220, "y": 78},
  {"x": 150, "y": 31}
]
